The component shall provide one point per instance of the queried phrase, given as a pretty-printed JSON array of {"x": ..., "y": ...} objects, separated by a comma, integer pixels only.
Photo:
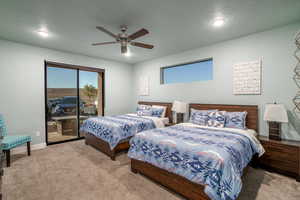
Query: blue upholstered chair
[{"x": 10, "y": 142}]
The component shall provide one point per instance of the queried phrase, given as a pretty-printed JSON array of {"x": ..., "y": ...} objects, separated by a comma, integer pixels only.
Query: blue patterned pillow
[
  {"x": 200, "y": 117},
  {"x": 144, "y": 112},
  {"x": 236, "y": 120},
  {"x": 157, "y": 112},
  {"x": 143, "y": 107},
  {"x": 216, "y": 119}
]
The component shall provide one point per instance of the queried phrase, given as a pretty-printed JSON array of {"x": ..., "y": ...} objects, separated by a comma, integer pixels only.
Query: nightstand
[{"x": 281, "y": 156}]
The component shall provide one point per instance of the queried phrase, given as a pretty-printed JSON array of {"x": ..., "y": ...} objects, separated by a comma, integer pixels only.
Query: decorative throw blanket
[{"x": 211, "y": 157}]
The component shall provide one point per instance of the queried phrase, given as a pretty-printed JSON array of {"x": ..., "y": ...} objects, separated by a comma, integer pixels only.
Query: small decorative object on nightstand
[
  {"x": 281, "y": 156},
  {"x": 275, "y": 114},
  {"x": 180, "y": 108}
]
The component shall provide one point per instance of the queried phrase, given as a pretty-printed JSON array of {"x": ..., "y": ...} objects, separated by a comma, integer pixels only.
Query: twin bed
[
  {"x": 111, "y": 135},
  {"x": 198, "y": 162}
]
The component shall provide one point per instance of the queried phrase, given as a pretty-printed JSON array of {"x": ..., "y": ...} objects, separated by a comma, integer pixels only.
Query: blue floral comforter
[
  {"x": 214, "y": 158},
  {"x": 113, "y": 129}
]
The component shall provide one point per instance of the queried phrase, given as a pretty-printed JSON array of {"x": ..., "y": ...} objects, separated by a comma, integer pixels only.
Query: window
[{"x": 189, "y": 72}]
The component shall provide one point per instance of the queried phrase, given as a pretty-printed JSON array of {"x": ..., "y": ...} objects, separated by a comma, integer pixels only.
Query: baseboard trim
[{"x": 23, "y": 149}]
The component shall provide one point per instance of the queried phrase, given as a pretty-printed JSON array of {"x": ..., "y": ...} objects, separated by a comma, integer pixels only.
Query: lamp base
[
  {"x": 275, "y": 130},
  {"x": 179, "y": 118}
]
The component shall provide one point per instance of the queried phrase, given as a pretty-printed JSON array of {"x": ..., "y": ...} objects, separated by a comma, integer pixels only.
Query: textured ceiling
[{"x": 174, "y": 25}]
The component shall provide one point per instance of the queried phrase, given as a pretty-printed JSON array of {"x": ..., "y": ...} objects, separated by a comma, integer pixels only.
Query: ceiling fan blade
[
  {"x": 103, "y": 43},
  {"x": 106, "y": 31},
  {"x": 124, "y": 49},
  {"x": 143, "y": 45},
  {"x": 138, "y": 34}
]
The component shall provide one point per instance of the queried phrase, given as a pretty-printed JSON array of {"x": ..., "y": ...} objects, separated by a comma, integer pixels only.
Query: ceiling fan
[{"x": 125, "y": 39}]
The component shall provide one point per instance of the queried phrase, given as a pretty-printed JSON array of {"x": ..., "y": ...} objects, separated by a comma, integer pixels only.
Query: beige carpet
[{"x": 79, "y": 172}]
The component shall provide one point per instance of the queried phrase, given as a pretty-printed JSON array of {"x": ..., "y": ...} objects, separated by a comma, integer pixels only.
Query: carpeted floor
[{"x": 78, "y": 172}]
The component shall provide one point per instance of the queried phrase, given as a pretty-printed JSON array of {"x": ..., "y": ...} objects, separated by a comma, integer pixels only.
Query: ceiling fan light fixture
[
  {"x": 123, "y": 49},
  {"x": 127, "y": 54},
  {"x": 125, "y": 39}
]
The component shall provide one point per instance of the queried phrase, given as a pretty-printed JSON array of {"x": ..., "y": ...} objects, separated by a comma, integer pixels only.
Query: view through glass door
[
  {"x": 90, "y": 95},
  {"x": 72, "y": 95}
]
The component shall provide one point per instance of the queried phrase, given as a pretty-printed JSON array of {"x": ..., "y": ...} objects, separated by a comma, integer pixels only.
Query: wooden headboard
[
  {"x": 252, "y": 110},
  {"x": 168, "y": 105}
]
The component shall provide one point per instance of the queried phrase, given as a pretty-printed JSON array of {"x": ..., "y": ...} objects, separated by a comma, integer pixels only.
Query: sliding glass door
[
  {"x": 90, "y": 84},
  {"x": 72, "y": 94}
]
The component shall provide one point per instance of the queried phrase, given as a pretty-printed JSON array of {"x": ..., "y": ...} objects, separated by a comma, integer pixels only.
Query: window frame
[{"x": 179, "y": 65}]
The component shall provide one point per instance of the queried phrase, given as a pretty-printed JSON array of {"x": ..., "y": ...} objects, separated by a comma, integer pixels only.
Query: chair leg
[
  {"x": 7, "y": 154},
  {"x": 28, "y": 149}
]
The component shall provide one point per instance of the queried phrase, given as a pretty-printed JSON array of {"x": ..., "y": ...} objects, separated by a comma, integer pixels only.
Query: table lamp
[
  {"x": 275, "y": 114},
  {"x": 180, "y": 108}
]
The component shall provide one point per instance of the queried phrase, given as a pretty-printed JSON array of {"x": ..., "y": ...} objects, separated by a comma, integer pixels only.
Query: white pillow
[{"x": 164, "y": 107}]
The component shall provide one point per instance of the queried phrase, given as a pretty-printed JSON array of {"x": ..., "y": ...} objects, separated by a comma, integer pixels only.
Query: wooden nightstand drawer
[
  {"x": 283, "y": 165},
  {"x": 281, "y": 156},
  {"x": 281, "y": 152}
]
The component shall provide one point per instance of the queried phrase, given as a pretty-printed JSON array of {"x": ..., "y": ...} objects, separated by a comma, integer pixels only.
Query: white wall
[
  {"x": 22, "y": 85},
  {"x": 275, "y": 47}
]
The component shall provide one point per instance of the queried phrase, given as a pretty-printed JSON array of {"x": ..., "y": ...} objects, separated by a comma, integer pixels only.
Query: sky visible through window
[
  {"x": 200, "y": 71},
  {"x": 66, "y": 78}
]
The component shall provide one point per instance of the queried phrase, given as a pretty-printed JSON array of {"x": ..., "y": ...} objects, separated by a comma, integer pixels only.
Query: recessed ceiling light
[
  {"x": 43, "y": 33},
  {"x": 218, "y": 22}
]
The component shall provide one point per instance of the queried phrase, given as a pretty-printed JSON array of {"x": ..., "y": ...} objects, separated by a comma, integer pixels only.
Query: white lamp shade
[
  {"x": 275, "y": 113},
  {"x": 179, "y": 107}
]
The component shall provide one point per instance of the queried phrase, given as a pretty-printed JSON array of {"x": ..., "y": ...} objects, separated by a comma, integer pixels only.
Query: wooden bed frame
[
  {"x": 179, "y": 184},
  {"x": 104, "y": 147}
]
